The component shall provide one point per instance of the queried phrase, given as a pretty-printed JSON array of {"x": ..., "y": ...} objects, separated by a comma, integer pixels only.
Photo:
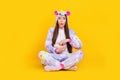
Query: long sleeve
[
  {"x": 48, "y": 42},
  {"x": 74, "y": 40}
]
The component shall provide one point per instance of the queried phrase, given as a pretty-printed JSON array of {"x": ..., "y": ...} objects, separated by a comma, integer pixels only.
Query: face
[{"x": 61, "y": 21}]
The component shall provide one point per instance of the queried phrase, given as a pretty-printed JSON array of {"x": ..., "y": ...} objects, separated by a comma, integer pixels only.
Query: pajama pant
[{"x": 47, "y": 59}]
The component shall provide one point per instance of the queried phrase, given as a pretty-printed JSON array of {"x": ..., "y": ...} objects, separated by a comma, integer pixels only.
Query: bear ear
[
  {"x": 67, "y": 13},
  {"x": 56, "y": 12}
]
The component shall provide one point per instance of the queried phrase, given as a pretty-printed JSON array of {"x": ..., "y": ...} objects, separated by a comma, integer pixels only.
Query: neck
[{"x": 61, "y": 27}]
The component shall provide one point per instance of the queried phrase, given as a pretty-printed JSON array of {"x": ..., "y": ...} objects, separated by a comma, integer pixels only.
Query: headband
[{"x": 63, "y": 13}]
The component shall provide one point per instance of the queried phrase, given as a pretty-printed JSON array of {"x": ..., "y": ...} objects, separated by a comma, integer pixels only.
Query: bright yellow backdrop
[{"x": 23, "y": 29}]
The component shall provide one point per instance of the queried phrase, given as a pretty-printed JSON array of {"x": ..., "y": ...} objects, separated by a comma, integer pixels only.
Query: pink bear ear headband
[
  {"x": 62, "y": 13},
  {"x": 67, "y": 13}
]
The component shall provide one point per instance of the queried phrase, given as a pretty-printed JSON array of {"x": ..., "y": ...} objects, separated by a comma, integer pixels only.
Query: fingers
[
  {"x": 60, "y": 43},
  {"x": 61, "y": 49},
  {"x": 63, "y": 42}
]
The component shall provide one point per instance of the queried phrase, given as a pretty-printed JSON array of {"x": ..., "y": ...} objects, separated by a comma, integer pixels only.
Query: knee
[
  {"x": 80, "y": 54},
  {"x": 40, "y": 53}
]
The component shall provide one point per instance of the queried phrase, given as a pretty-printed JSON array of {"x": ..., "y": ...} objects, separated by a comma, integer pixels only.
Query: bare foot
[{"x": 73, "y": 68}]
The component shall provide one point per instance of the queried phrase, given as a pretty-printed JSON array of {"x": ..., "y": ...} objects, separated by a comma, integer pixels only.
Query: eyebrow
[{"x": 62, "y": 17}]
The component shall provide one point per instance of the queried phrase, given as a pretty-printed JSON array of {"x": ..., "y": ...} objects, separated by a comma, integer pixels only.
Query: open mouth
[{"x": 61, "y": 23}]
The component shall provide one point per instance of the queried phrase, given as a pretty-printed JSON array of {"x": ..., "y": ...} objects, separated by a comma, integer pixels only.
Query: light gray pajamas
[
  {"x": 64, "y": 59},
  {"x": 47, "y": 59}
]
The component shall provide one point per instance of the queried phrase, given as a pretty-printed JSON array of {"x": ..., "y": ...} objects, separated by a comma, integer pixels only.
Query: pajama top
[{"x": 74, "y": 42}]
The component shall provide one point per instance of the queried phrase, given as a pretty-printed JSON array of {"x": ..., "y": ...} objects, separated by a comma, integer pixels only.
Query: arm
[
  {"x": 48, "y": 42},
  {"x": 74, "y": 40}
]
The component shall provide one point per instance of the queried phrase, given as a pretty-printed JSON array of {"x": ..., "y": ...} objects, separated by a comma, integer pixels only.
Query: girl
[{"x": 59, "y": 43}]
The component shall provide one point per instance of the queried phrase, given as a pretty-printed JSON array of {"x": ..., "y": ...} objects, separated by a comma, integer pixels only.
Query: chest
[{"x": 61, "y": 36}]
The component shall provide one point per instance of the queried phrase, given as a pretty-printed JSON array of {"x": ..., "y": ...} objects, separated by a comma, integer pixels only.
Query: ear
[
  {"x": 56, "y": 12},
  {"x": 67, "y": 13}
]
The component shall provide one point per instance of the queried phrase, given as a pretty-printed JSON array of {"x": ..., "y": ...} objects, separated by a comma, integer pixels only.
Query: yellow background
[{"x": 24, "y": 26}]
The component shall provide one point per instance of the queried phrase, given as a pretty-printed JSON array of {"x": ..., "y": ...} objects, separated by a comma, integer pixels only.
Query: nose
[{"x": 61, "y": 21}]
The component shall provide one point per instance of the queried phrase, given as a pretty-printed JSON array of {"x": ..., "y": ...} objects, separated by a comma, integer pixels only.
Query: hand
[
  {"x": 63, "y": 42},
  {"x": 60, "y": 49}
]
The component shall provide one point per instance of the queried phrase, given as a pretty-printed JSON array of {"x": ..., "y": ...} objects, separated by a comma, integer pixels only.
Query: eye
[
  {"x": 64, "y": 18},
  {"x": 59, "y": 18}
]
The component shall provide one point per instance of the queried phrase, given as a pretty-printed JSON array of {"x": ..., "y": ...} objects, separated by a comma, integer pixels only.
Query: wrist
[
  {"x": 69, "y": 40},
  {"x": 56, "y": 51}
]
